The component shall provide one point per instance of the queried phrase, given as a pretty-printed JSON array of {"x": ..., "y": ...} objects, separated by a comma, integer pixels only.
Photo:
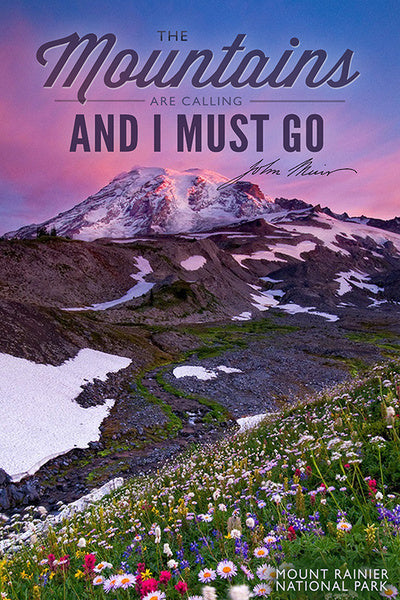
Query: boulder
[{"x": 5, "y": 479}]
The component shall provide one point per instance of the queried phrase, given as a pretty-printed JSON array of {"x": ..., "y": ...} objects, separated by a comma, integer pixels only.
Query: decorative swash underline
[
  {"x": 57, "y": 100},
  {"x": 298, "y": 101}
]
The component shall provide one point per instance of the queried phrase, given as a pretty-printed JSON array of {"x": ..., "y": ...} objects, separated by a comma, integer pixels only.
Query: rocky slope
[
  {"x": 261, "y": 288},
  {"x": 312, "y": 264}
]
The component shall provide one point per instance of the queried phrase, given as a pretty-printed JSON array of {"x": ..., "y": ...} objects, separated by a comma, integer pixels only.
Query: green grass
[
  {"x": 214, "y": 340},
  {"x": 355, "y": 366},
  {"x": 389, "y": 349},
  {"x": 217, "y": 339},
  {"x": 174, "y": 424},
  {"x": 217, "y": 412}
]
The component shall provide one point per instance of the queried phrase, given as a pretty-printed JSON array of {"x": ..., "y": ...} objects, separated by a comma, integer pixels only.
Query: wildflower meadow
[{"x": 304, "y": 506}]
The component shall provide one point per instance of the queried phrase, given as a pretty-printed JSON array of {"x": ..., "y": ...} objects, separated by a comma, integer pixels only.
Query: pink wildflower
[
  {"x": 89, "y": 563},
  {"x": 181, "y": 587}
]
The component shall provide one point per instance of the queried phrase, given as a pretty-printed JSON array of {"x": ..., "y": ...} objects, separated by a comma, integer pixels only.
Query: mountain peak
[{"x": 157, "y": 200}]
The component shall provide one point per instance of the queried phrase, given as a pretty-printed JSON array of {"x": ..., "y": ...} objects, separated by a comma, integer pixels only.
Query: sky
[{"x": 40, "y": 176}]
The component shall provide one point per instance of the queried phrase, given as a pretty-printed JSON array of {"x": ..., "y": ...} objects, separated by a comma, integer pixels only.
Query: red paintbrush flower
[
  {"x": 165, "y": 576},
  {"x": 89, "y": 563},
  {"x": 181, "y": 587},
  {"x": 150, "y": 585}
]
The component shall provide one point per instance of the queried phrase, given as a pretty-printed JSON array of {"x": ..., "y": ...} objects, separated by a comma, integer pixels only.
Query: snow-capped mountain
[
  {"x": 155, "y": 200},
  {"x": 165, "y": 201},
  {"x": 323, "y": 290}
]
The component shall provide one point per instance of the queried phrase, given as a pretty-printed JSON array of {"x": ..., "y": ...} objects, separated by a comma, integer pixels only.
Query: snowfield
[
  {"x": 139, "y": 289},
  {"x": 193, "y": 263},
  {"x": 329, "y": 231},
  {"x": 293, "y": 309},
  {"x": 348, "y": 279},
  {"x": 39, "y": 418},
  {"x": 202, "y": 373},
  {"x": 264, "y": 300},
  {"x": 287, "y": 250},
  {"x": 247, "y": 423},
  {"x": 244, "y": 316}
]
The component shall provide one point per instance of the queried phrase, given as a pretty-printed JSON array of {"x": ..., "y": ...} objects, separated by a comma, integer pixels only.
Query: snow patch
[
  {"x": 278, "y": 293},
  {"x": 202, "y": 373},
  {"x": 244, "y": 316},
  {"x": 271, "y": 280},
  {"x": 259, "y": 255},
  {"x": 264, "y": 300},
  {"x": 192, "y": 371},
  {"x": 39, "y": 416},
  {"x": 96, "y": 215},
  {"x": 85, "y": 501},
  {"x": 225, "y": 369},
  {"x": 208, "y": 234},
  {"x": 293, "y": 309},
  {"x": 328, "y": 230},
  {"x": 41, "y": 527},
  {"x": 139, "y": 289},
  {"x": 376, "y": 302},
  {"x": 193, "y": 262},
  {"x": 286, "y": 250},
  {"x": 246, "y": 423},
  {"x": 348, "y": 279}
]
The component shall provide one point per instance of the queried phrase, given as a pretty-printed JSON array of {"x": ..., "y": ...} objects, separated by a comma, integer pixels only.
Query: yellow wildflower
[
  {"x": 36, "y": 592},
  {"x": 79, "y": 574},
  {"x": 146, "y": 574}
]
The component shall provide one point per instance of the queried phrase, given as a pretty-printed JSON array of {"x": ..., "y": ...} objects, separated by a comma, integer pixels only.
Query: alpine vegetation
[{"x": 305, "y": 505}]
